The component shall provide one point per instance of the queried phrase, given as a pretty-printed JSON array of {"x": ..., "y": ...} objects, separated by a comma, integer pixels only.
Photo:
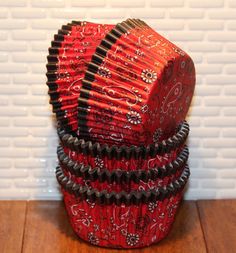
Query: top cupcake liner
[
  {"x": 63, "y": 90},
  {"x": 134, "y": 197},
  {"x": 127, "y": 152},
  {"x": 52, "y": 67},
  {"x": 101, "y": 83},
  {"x": 74, "y": 66}
]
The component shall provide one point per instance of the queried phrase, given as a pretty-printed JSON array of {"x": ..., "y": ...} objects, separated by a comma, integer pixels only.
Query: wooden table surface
[{"x": 42, "y": 226}]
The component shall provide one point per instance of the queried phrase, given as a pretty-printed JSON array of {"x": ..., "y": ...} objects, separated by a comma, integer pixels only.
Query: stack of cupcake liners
[{"x": 121, "y": 94}]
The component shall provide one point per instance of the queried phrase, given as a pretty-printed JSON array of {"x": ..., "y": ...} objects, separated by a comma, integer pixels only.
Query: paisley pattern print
[
  {"x": 99, "y": 162},
  {"x": 172, "y": 97},
  {"x": 93, "y": 239},
  {"x": 74, "y": 88},
  {"x": 128, "y": 187},
  {"x": 132, "y": 239},
  {"x": 122, "y": 226},
  {"x": 124, "y": 164},
  {"x": 121, "y": 93},
  {"x": 140, "y": 75}
]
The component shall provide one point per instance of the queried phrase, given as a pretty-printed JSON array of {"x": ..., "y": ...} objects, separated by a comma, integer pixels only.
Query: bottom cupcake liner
[
  {"x": 121, "y": 219},
  {"x": 121, "y": 226}
]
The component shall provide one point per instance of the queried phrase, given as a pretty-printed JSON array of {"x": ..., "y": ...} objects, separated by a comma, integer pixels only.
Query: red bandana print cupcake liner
[
  {"x": 123, "y": 186},
  {"x": 141, "y": 160},
  {"x": 71, "y": 50},
  {"x": 118, "y": 179},
  {"x": 121, "y": 220},
  {"x": 124, "y": 164},
  {"x": 90, "y": 169},
  {"x": 101, "y": 173},
  {"x": 142, "y": 87},
  {"x": 122, "y": 226},
  {"x": 116, "y": 153},
  {"x": 133, "y": 82}
]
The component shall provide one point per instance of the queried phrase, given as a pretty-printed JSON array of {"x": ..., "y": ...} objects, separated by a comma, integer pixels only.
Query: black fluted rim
[{"x": 52, "y": 67}]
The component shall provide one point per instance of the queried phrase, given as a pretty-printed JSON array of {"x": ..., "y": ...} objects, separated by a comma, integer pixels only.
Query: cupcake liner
[
  {"x": 133, "y": 197},
  {"x": 113, "y": 110},
  {"x": 122, "y": 226},
  {"x": 118, "y": 51},
  {"x": 123, "y": 164},
  {"x": 122, "y": 222},
  {"x": 71, "y": 49},
  {"x": 102, "y": 178},
  {"x": 80, "y": 169},
  {"x": 118, "y": 152},
  {"x": 128, "y": 187}
]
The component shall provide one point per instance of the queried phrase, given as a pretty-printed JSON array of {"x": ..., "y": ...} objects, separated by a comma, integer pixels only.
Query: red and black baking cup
[
  {"x": 121, "y": 219},
  {"x": 79, "y": 169},
  {"x": 118, "y": 179},
  {"x": 125, "y": 84},
  {"x": 124, "y": 157},
  {"x": 69, "y": 54},
  {"x": 93, "y": 148}
]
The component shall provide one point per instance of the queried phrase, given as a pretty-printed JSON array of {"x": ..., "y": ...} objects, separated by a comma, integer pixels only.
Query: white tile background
[{"x": 206, "y": 29}]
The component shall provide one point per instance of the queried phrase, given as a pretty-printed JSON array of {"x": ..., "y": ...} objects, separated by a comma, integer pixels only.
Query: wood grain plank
[
  {"x": 12, "y": 219},
  {"x": 48, "y": 230},
  {"x": 218, "y": 218}
]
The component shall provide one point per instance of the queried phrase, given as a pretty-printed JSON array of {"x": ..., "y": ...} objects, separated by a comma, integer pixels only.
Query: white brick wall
[{"x": 206, "y": 29}]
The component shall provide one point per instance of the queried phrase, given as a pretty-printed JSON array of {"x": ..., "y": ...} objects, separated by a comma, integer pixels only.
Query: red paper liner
[
  {"x": 123, "y": 164},
  {"x": 116, "y": 224},
  {"x": 95, "y": 149},
  {"x": 118, "y": 50},
  {"x": 69, "y": 56},
  {"x": 109, "y": 184},
  {"x": 88, "y": 172},
  {"x": 123, "y": 226},
  {"x": 132, "y": 197},
  {"x": 71, "y": 49},
  {"x": 123, "y": 186}
]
